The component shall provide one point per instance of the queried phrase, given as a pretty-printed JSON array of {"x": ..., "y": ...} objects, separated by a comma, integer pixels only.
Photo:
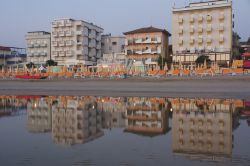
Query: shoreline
[{"x": 235, "y": 87}]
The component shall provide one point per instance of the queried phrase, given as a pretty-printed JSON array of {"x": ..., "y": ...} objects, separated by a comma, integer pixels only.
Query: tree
[
  {"x": 161, "y": 62},
  {"x": 201, "y": 59},
  {"x": 30, "y": 65},
  {"x": 51, "y": 63}
]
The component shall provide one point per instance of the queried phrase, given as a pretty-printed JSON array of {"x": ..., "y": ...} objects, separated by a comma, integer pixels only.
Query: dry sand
[{"x": 223, "y": 87}]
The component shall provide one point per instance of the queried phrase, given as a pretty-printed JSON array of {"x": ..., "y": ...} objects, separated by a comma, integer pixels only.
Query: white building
[
  {"x": 113, "y": 49},
  {"x": 203, "y": 28},
  {"x": 75, "y": 42},
  {"x": 38, "y": 47}
]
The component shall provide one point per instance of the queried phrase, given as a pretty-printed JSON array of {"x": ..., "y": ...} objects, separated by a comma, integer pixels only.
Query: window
[{"x": 114, "y": 43}]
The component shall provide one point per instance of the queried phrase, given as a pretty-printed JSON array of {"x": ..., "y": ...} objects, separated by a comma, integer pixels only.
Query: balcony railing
[
  {"x": 61, "y": 34},
  {"x": 69, "y": 43},
  {"x": 62, "y": 53},
  {"x": 54, "y": 43},
  {"x": 69, "y": 33},
  {"x": 61, "y": 43},
  {"x": 69, "y": 53}
]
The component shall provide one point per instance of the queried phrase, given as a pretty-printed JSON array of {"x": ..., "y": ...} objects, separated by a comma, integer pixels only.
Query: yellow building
[{"x": 203, "y": 28}]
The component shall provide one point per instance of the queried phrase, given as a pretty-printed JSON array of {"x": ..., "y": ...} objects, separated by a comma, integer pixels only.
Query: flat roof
[
  {"x": 205, "y": 5},
  {"x": 45, "y": 32}
]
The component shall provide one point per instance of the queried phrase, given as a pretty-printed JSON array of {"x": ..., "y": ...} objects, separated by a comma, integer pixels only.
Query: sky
[{"x": 17, "y": 17}]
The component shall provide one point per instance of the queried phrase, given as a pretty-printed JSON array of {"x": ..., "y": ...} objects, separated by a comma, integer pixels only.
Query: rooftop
[
  {"x": 147, "y": 30},
  {"x": 44, "y": 32}
]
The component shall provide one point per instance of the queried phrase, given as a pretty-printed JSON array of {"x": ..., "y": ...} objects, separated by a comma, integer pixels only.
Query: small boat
[{"x": 30, "y": 77}]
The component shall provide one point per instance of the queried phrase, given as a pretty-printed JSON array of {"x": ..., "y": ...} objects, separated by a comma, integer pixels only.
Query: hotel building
[
  {"x": 203, "y": 28},
  {"x": 38, "y": 47},
  {"x": 75, "y": 42},
  {"x": 147, "y": 44}
]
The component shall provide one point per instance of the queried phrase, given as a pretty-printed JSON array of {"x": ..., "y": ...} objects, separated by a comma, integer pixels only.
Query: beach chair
[
  {"x": 226, "y": 71},
  {"x": 161, "y": 73},
  {"x": 186, "y": 72},
  {"x": 176, "y": 72},
  {"x": 237, "y": 71}
]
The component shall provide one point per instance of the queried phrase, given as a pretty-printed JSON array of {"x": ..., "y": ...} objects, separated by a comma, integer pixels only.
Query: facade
[
  {"x": 38, "y": 47},
  {"x": 75, "y": 42},
  {"x": 113, "y": 49},
  {"x": 203, "y": 28},
  {"x": 245, "y": 46},
  {"x": 147, "y": 44},
  {"x": 12, "y": 56}
]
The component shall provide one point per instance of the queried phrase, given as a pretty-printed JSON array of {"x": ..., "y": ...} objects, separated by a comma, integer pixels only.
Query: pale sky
[{"x": 116, "y": 16}]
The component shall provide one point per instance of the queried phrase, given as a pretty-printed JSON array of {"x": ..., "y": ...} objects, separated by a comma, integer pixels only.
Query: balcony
[
  {"x": 98, "y": 37},
  {"x": 54, "y": 34},
  {"x": 147, "y": 41},
  {"x": 61, "y": 23},
  {"x": 180, "y": 41},
  {"x": 79, "y": 32},
  {"x": 62, "y": 53},
  {"x": 200, "y": 40},
  {"x": 69, "y": 53},
  {"x": 69, "y": 43},
  {"x": 61, "y": 34},
  {"x": 99, "y": 47},
  {"x": 209, "y": 18},
  {"x": 209, "y": 28},
  {"x": 79, "y": 43},
  {"x": 92, "y": 35},
  {"x": 181, "y": 31},
  {"x": 200, "y": 29},
  {"x": 43, "y": 44},
  {"x": 99, "y": 55},
  {"x": 138, "y": 52},
  {"x": 68, "y": 23},
  {"x": 191, "y": 41},
  {"x": 180, "y": 20},
  {"x": 69, "y": 33},
  {"x": 92, "y": 44},
  {"x": 147, "y": 51},
  {"x": 222, "y": 16},
  {"x": 209, "y": 40},
  {"x": 221, "y": 39},
  {"x": 54, "y": 24},
  {"x": 54, "y": 53},
  {"x": 138, "y": 41},
  {"x": 221, "y": 28},
  {"x": 61, "y": 43},
  {"x": 191, "y": 29},
  {"x": 30, "y": 45},
  {"x": 159, "y": 50},
  {"x": 54, "y": 43}
]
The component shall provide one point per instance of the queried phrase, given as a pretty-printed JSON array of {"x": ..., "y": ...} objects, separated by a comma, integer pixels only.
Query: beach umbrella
[{"x": 180, "y": 65}]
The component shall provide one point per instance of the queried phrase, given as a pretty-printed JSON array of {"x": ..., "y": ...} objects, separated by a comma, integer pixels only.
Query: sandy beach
[{"x": 209, "y": 87}]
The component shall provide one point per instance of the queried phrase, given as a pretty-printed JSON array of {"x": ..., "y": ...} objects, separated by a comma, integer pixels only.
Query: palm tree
[{"x": 51, "y": 63}]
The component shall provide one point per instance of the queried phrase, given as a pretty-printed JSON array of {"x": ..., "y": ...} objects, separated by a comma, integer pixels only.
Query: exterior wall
[
  {"x": 143, "y": 46},
  {"x": 38, "y": 47},
  {"x": 113, "y": 44},
  {"x": 75, "y": 42},
  {"x": 202, "y": 28}
]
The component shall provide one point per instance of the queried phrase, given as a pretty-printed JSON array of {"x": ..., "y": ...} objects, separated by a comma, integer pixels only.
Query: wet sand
[{"x": 209, "y": 87}]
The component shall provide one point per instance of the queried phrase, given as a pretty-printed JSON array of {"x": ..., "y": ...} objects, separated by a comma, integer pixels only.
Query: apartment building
[
  {"x": 113, "y": 49},
  {"x": 147, "y": 44},
  {"x": 38, "y": 47},
  {"x": 75, "y": 42},
  {"x": 202, "y": 128},
  {"x": 203, "y": 28}
]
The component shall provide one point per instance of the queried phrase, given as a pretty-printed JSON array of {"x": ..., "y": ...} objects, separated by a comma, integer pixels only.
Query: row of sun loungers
[{"x": 123, "y": 74}]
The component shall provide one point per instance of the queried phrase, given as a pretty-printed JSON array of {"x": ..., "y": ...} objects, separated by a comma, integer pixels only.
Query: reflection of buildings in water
[
  {"x": 113, "y": 112},
  {"x": 202, "y": 127},
  {"x": 75, "y": 121},
  {"x": 12, "y": 106},
  {"x": 148, "y": 117},
  {"x": 39, "y": 115}
]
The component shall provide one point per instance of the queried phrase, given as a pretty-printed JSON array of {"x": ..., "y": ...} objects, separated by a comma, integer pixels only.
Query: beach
[{"x": 194, "y": 87}]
